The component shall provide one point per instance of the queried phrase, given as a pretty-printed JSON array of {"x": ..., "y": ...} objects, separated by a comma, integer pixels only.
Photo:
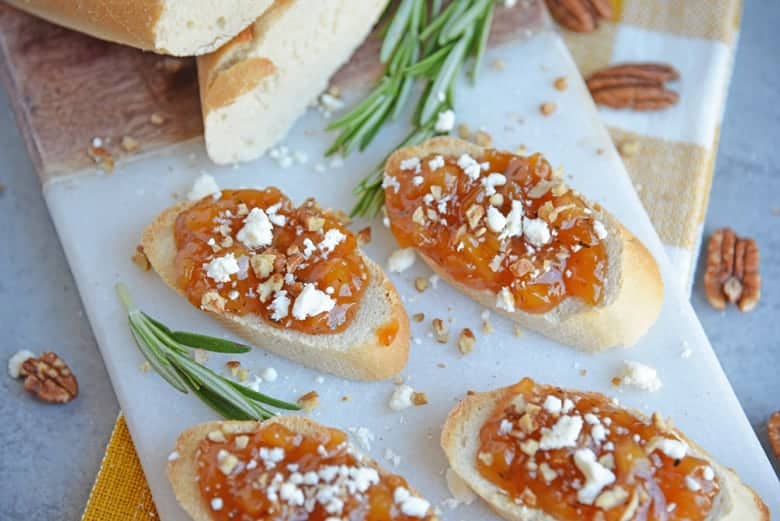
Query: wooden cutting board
[{"x": 67, "y": 88}]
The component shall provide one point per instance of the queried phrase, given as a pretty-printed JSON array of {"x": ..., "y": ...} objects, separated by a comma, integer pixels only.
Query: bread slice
[
  {"x": 255, "y": 87},
  {"x": 355, "y": 353},
  {"x": 460, "y": 441},
  {"x": 183, "y": 472},
  {"x": 177, "y": 27},
  {"x": 634, "y": 288}
]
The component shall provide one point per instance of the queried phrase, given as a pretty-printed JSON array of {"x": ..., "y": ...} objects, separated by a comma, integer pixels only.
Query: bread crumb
[
  {"x": 561, "y": 83},
  {"x": 129, "y": 144},
  {"x": 547, "y": 108},
  {"x": 466, "y": 341},
  {"x": 421, "y": 284},
  {"x": 418, "y": 317},
  {"x": 440, "y": 330},
  {"x": 309, "y": 401},
  {"x": 140, "y": 259},
  {"x": 156, "y": 118}
]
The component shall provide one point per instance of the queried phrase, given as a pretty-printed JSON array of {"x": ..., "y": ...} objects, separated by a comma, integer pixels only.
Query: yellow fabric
[
  {"x": 120, "y": 491},
  {"x": 674, "y": 189}
]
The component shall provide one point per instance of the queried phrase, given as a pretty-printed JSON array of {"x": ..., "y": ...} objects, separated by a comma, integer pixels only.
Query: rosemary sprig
[
  {"x": 170, "y": 354},
  {"x": 422, "y": 42}
]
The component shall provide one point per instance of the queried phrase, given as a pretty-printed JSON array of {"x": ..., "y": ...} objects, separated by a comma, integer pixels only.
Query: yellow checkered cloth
[{"x": 672, "y": 170}]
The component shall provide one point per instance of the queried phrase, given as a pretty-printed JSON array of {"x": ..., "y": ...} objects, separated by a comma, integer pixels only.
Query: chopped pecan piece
[
  {"x": 309, "y": 401},
  {"x": 140, "y": 259},
  {"x": 638, "y": 86},
  {"x": 732, "y": 274},
  {"x": 581, "y": 16},
  {"x": 49, "y": 378},
  {"x": 466, "y": 341},
  {"x": 441, "y": 331}
]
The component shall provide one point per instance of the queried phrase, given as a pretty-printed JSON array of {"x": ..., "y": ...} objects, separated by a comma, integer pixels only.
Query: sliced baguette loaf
[
  {"x": 256, "y": 86},
  {"x": 634, "y": 288},
  {"x": 460, "y": 441},
  {"x": 355, "y": 353},
  {"x": 177, "y": 27},
  {"x": 183, "y": 471}
]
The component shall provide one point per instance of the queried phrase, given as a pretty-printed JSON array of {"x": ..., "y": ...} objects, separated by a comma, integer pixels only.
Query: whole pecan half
[
  {"x": 580, "y": 16},
  {"x": 49, "y": 378},
  {"x": 732, "y": 274},
  {"x": 638, "y": 86}
]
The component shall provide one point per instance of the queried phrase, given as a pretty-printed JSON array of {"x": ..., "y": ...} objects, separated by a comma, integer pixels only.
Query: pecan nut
[
  {"x": 732, "y": 275},
  {"x": 637, "y": 86},
  {"x": 49, "y": 378},
  {"x": 773, "y": 428},
  {"x": 581, "y": 16}
]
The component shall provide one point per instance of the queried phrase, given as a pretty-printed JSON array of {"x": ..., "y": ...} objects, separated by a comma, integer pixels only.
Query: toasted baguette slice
[
  {"x": 355, "y": 353},
  {"x": 183, "y": 472},
  {"x": 634, "y": 289},
  {"x": 460, "y": 441},
  {"x": 177, "y": 27},
  {"x": 255, "y": 87}
]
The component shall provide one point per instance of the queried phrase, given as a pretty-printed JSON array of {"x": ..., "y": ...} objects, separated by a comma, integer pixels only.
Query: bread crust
[
  {"x": 182, "y": 471},
  {"x": 138, "y": 22},
  {"x": 634, "y": 285},
  {"x": 460, "y": 436},
  {"x": 355, "y": 353}
]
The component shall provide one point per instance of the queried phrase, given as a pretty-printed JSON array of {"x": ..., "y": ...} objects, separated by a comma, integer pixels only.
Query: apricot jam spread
[
  {"x": 502, "y": 223},
  {"x": 251, "y": 252},
  {"x": 579, "y": 457},
  {"x": 276, "y": 473}
]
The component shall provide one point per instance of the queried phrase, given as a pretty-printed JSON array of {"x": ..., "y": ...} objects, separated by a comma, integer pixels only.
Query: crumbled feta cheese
[
  {"x": 269, "y": 374},
  {"x": 470, "y": 166},
  {"x": 401, "y": 260},
  {"x": 496, "y": 221},
  {"x": 276, "y": 218},
  {"x": 280, "y": 305},
  {"x": 204, "y": 185},
  {"x": 221, "y": 268},
  {"x": 392, "y": 457},
  {"x": 417, "y": 180},
  {"x": 330, "y": 103},
  {"x": 641, "y": 376},
  {"x": 308, "y": 248},
  {"x": 173, "y": 456},
  {"x": 596, "y": 476},
  {"x": 599, "y": 230},
  {"x": 410, "y": 505},
  {"x": 16, "y": 361},
  {"x": 548, "y": 474},
  {"x": 333, "y": 238},
  {"x": 257, "y": 231},
  {"x": 412, "y": 163},
  {"x": 563, "y": 434},
  {"x": 553, "y": 404},
  {"x": 491, "y": 181},
  {"x": 436, "y": 163},
  {"x": 311, "y": 302},
  {"x": 445, "y": 121},
  {"x": 505, "y": 300},
  {"x": 401, "y": 398},
  {"x": 598, "y": 433},
  {"x": 505, "y": 427},
  {"x": 363, "y": 436},
  {"x": 390, "y": 181},
  {"x": 536, "y": 231},
  {"x": 674, "y": 449},
  {"x": 459, "y": 489},
  {"x": 514, "y": 221},
  {"x": 692, "y": 484},
  {"x": 568, "y": 405},
  {"x": 216, "y": 504},
  {"x": 708, "y": 473}
]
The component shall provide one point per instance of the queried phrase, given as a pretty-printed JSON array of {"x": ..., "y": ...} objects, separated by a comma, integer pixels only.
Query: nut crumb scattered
[
  {"x": 418, "y": 317},
  {"x": 583, "y": 372},
  {"x": 629, "y": 148},
  {"x": 440, "y": 330},
  {"x": 441, "y": 365},
  {"x": 233, "y": 366},
  {"x": 102, "y": 158},
  {"x": 547, "y": 108},
  {"x": 483, "y": 139},
  {"x": 498, "y": 64},
  {"x": 364, "y": 236},
  {"x": 773, "y": 428},
  {"x": 487, "y": 326},
  {"x": 466, "y": 341},
  {"x": 419, "y": 398},
  {"x": 129, "y": 144},
  {"x": 145, "y": 367},
  {"x": 140, "y": 259},
  {"x": 464, "y": 131},
  {"x": 345, "y": 398},
  {"x": 561, "y": 83},
  {"x": 309, "y": 401},
  {"x": 156, "y": 118},
  {"x": 421, "y": 284}
]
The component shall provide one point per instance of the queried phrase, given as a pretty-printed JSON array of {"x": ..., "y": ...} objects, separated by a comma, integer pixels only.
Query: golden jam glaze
[
  {"x": 579, "y": 457},
  {"x": 251, "y": 252},
  {"x": 275, "y": 473},
  {"x": 502, "y": 223}
]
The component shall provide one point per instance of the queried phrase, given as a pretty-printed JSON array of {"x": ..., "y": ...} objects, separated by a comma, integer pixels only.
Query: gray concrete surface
[{"x": 49, "y": 455}]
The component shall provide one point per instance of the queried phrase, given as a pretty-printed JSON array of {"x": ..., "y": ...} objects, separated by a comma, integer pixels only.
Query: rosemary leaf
[
  {"x": 397, "y": 28},
  {"x": 209, "y": 343},
  {"x": 260, "y": 397}
]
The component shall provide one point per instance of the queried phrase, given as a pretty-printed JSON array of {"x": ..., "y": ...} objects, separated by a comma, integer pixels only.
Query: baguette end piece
[
  {"x": 634, "y": 294},
  {"x": 355, "y": 354}
]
